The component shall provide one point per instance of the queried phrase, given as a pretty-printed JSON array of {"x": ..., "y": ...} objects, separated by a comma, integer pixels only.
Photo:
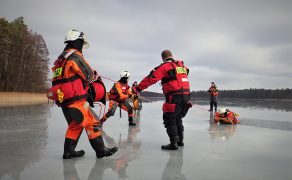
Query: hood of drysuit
[
  {"x": 124, "y": 80},
  {"x": 77, "y": 44}
]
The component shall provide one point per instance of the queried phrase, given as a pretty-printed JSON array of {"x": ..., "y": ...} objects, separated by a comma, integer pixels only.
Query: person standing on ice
[
  {"x": 137, "y": 103},
  {"x": 176, "y": 88},
  {"x": 213, "y": 91},
  {"x": 118, "y": 96},
  {"x": 70, "y": 84}
]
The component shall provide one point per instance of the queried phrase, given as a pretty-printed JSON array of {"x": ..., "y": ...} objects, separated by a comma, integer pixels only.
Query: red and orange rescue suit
[
  {"x": 72, "y": 78},
  {"x": 175, "y": 85},
  {"x": 228, "y": 117},
  {"x": 118, "y": 95},
  {"x": 213, "y": 91}
]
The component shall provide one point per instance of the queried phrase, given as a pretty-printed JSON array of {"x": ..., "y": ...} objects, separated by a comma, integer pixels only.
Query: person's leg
[
  {"x": 92, "y": 127},
  {"x": 111, "y": 110},
  {"x": 73, "y": 132},
  {"x": 180, "y": 131},
  {"x": 184, "y": 110},
  {"x": 215, "y": 105},
  {"x": 127, "y": 107},
  {"x": 171, "y": 112},
  {"x": 211, "y": 105}
]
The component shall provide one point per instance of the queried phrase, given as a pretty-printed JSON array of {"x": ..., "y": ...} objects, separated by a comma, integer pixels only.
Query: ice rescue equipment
[
  {"x": 97, "y": 91},
  {"x": 114, "y": 94},
  {"x": 177, "y": 81},
  {"x": 65, "y": 91}
]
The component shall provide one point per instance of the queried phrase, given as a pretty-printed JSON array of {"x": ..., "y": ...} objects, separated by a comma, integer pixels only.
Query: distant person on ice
[
  {"x": 70, "y": 84},
  {"x": 213, "y": 91},
  {"x": 118, "y": 95},
  {"x": 137, "y": 103},
  {"x": 175, "y": 85},
  {"x": 225, "y": 116}
]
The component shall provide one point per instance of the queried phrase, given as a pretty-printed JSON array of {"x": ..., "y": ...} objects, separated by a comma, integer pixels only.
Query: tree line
[
  {"x": 249, "y": 93},
  {"x": 23, "y": 58}
]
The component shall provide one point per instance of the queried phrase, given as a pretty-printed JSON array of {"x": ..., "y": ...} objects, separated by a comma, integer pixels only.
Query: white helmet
[
  {"x": 221, "y": 110},
  {"x": 73, "y": 35},
  {"x": 125, "y": 74}
]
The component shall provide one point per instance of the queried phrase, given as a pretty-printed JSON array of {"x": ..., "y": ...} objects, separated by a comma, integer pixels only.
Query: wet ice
[{"x": 259, "y": 148}]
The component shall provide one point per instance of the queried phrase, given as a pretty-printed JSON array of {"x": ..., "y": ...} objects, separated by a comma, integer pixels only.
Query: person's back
[
  {"x": 176, "y": 88},
  {"x": 71, "y": 82}
]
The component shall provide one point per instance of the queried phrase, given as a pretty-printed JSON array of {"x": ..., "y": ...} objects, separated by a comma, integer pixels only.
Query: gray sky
[{"x": 236, "y": 43}]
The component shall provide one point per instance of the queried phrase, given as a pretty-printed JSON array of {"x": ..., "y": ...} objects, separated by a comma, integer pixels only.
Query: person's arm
[
  {"x": 155, "y": 75},
  {"x": 130, "y": 93},
  {"x": 120, "y": 92}
]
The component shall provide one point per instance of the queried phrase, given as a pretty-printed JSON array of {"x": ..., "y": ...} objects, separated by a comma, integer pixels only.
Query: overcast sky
[{"x": 235, "y": 43}]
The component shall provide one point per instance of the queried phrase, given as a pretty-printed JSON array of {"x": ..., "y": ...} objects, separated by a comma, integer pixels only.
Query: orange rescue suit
[
  {"x": 78, "y": 113},
  {"x": 228, "y": 117}
]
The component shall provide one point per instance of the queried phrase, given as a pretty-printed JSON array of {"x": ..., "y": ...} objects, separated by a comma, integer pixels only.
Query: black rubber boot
[
  {"x": 99, "y": 148},
  {"x": 181, "y": 139},
  {"x": 172, "y": 145},
  {"x": 69, "y": 149},
  {"x": 131, "y": 123}
]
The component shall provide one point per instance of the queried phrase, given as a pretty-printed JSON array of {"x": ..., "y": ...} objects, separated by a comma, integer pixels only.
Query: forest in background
[
  {"x": 23, "y": 58},
  {"x": 249, "y": 93},
  {"x": 244, "y": 94}
]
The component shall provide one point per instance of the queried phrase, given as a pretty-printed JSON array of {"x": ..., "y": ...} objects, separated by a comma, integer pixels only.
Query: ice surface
[{"x": 31, "y": 141}]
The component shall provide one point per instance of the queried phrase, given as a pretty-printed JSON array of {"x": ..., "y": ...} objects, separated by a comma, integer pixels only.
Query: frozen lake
[{"x": 260, "y": 147}]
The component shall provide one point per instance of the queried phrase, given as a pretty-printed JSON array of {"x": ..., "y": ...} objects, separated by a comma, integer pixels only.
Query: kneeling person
[{"x": 118, "y": 95}]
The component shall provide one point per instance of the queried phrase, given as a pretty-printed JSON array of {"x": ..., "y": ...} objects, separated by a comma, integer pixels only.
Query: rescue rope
[
  {"x": 107, "y": 78},
  {"x": 100, "y": 110},
  {"x": 200, "y": 107}
]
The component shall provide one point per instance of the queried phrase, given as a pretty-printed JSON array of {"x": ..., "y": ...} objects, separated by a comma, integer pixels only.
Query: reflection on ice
[
  {"x": 173, "y": 168},
  {"x": 129, "y": 148},
  {"x": 32, "y": 144},
  {"x": 221, "y": 131},
  {"x": 23, "y": 132}
]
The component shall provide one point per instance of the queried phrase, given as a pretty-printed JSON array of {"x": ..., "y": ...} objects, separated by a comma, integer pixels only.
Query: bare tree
[{"x": 23, "y": 58}]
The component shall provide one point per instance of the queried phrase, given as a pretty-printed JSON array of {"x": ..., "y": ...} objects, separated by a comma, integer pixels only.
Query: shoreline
[{"x": 21, "y": 98}]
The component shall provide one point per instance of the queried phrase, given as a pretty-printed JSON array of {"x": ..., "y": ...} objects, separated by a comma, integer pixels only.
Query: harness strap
[
  {"x": 180, "y": 91},
  {"x": 73, "y": 99},
  {"x": 65, "y": 80}
]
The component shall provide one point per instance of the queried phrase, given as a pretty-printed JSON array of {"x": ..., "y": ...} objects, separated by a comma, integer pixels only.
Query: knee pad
[{"x": 75, "y": 114}]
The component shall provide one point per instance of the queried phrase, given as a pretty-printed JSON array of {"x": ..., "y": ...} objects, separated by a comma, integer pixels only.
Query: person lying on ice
[
  {"x": 225, "y": 116},
  {"x": 176, "y": 88},
  {"x": 118, "y": 95},
  {"x": 70, "y": 84}
]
